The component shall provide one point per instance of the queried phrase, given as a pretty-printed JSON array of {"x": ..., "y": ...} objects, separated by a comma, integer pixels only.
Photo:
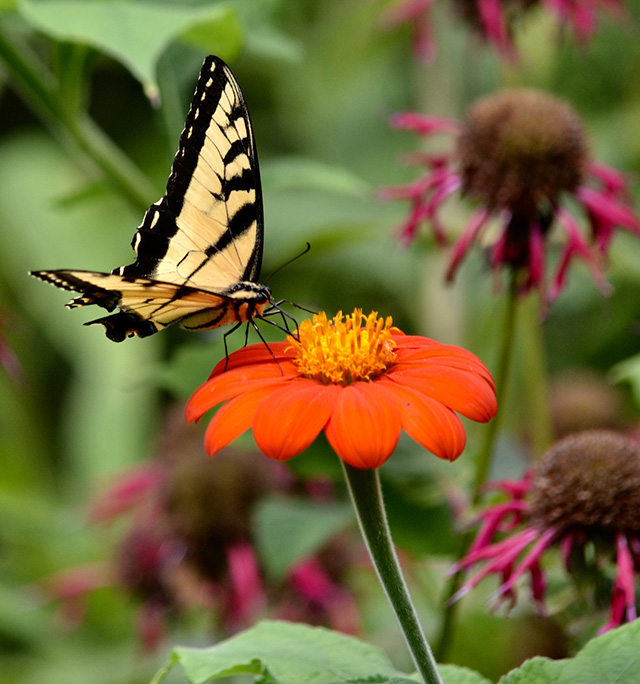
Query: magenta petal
[
  {"x": 577, "y": 244},
  {"x": 424, "y": 124},
  {"x": 607, "y": 210},
  {"x": 424, "y": 45},
  {"x": 493, "y": 517},
  {"x": 536, "y": 255},
  {"x": 460, "y": 248},
  {"x": 501, "y": 557},
  {"x": 247, "y": 593},
  {"x": 495, "y": 27},
  {"x": 312, "y": 582},
  {"x": 613, "y": 180},
  {"x": 532, "y": 558}
]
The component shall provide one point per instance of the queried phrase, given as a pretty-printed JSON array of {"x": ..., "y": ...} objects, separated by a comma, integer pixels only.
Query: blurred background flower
[
  {"x": 188, "y": 545},
  {"x": 582, "y": 497},
  {"x": 494, "y": 20},
  {"x": 522, "y": 156}
]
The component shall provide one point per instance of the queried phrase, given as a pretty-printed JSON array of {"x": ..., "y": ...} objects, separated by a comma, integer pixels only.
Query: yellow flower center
[{"x": 345, "y": 349}]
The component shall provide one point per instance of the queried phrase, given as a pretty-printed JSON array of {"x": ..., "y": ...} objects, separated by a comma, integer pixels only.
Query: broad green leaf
[
  {"x": 286, "y": 653},
  {"x": 287, "y": 530},
  {"x": 136, "y": 34},
  {"x": 221, "y": 35},
  {"x": 452, "y": 674},
  {"x": 613, "y": 658}
]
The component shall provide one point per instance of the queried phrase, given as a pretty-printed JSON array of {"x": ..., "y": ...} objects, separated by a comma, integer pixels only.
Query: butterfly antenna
[
  {"x": 287, "y": 263},
  {"x": 288, "y": 301}
]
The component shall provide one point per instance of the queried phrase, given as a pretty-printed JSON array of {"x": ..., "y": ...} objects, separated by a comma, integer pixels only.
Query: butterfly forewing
[
  {"x": 214, "y": 190},
  {"x": 199, "y": 248}
]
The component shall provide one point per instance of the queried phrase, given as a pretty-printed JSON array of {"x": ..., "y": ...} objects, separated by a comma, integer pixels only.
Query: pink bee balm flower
[
  {"x": 520, "y": 154},
  {"x": 584, "y": 493},
  {"x": 493, "y": 20}
]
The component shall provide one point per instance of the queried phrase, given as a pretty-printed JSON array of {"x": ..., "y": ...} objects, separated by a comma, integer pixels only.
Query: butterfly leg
[
  {"x": 226, "y": 348},
  {"x": 276, "y": 309},
  {"x": 266, "y": 344}
]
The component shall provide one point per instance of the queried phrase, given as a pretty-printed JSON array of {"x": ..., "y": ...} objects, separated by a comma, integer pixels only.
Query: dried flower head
[
  {"x": 584, "y": 493},
  {"x": 589, "y": 482},
  {"x": 519, "y": 154},
  {"x": 521, "y": 149}
]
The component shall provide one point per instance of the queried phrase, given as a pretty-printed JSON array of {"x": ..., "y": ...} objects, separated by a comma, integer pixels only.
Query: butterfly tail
[{"x": 121, "y": 325}]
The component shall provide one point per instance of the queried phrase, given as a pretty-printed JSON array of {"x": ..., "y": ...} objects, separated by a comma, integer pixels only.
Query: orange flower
[{"x": 357, "y": 378}]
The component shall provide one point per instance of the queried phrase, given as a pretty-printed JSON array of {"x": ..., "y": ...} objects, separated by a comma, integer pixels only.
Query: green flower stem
[
  {"x": 501, "y": 376},
  {"x": 483, "y": 461},
  {"x": 535, "y": 378},
  {"x": 43, "y": 93},
  {"x": 366, "y": 495}
]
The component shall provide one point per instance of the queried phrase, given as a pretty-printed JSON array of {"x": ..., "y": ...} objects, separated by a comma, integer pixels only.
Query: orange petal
[
  {"x": 441, "y": 355},
  {"x": 234, "y": 418},
  {"x": 434, "y": 426},
  {"x": 464, "y": 392},
  {"x": 230, "y": 384},
  {"x": 252, "y": 354},
  {"x": 365, "y": 425},
  {"x": 289, "y": 421}
]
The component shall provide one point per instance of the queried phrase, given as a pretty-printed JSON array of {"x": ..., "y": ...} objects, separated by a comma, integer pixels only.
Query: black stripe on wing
[
  {"x": 121, "y": 325},
  {"x": 154, "y": 235}
]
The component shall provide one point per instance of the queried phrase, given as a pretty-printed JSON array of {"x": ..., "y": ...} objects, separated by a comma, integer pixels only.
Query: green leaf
[
  {"x": 287, "y": 530},
  {"x": 286, "y": 653},
  {"x": 136, "y": 34},
  {"x": 216, "y": 36},
  {"x": 453, "y": 674},
  {"x": 278, "y": 652},
  {"x": 612, "y": 657}
]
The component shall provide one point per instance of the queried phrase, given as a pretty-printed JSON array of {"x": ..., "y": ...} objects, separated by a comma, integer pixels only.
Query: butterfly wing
[
  {"x": 199, "y": 248},
  {"x": 147, "y": 306},
  {"x": 208, "y": 228}
]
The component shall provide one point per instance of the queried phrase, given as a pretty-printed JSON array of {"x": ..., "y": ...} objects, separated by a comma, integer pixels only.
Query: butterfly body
[{"x": 199, "y": 248}]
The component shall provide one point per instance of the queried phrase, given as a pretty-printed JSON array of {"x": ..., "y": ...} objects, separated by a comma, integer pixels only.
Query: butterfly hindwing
[
  {"x": 146, "y": 306},
  {"x": 199, "y": 248}
]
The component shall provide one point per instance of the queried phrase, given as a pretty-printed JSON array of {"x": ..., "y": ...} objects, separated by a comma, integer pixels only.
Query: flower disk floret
[{"x": 361, "y": 349}]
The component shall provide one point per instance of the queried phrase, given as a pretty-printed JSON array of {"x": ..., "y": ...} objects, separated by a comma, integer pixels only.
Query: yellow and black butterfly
[{"x": 199, "y": 248}]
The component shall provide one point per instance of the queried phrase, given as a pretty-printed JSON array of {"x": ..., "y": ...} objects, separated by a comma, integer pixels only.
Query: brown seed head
[
  {"x": 588, "y": 480},
  {"x": 519, "y": 149}
]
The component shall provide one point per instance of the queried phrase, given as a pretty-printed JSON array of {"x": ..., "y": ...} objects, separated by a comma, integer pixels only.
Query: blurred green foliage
[{"x": 82, "y": 153}]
